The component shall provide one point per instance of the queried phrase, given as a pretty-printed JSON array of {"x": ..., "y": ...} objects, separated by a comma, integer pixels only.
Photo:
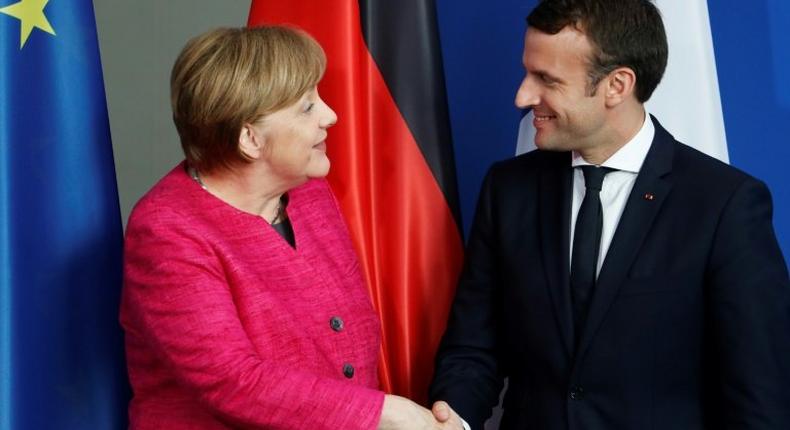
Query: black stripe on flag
[{"x": 403, "y": 39}]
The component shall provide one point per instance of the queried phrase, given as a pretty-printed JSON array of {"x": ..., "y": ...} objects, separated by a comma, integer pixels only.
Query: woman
[{"x": 243, "y": 302}]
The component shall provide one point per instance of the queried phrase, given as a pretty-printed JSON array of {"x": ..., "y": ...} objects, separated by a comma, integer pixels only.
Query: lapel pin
[{"x": 649, "y": 197}]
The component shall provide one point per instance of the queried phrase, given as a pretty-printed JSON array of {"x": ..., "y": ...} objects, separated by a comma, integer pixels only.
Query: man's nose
[{"x": 527, "y": 95}]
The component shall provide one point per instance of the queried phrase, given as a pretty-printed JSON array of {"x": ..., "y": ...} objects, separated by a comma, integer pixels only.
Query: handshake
[{"x": 400, "y": 413}]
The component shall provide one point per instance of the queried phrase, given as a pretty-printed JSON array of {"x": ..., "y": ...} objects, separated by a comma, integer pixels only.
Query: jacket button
[
  {"x": 348, "y": 370},
  {"x": 577, "y": 393},
  {"x": 336, "y": 323}
]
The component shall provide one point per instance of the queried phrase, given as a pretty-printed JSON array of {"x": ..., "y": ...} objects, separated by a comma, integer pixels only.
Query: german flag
[{"x": 392, "y": 165}]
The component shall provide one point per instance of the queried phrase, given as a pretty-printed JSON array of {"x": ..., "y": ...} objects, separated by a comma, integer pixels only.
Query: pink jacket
[{"x": 227, "y": 326}]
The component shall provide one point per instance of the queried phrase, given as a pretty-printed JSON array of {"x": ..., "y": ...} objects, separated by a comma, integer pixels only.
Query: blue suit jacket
[{"x": 689, "y": 325}]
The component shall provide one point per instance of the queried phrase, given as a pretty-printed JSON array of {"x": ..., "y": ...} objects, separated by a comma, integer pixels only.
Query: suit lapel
[
  {"x": 555, "y": 199},
  {"x": 650, "y": 190}
]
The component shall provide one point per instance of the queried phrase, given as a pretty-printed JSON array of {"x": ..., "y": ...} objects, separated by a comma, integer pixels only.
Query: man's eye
[{"x": 309, "y": 107}]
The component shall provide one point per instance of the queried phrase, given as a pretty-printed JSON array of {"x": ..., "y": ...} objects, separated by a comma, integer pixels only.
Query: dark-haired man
[{"x": 618, "y": 278}]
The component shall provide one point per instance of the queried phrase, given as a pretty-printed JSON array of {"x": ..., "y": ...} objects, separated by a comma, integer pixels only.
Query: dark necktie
[{"x": 586, "y": 244}]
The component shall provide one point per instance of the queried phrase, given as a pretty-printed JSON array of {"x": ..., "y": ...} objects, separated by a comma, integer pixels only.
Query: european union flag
[{"x": 61, "y": 352}]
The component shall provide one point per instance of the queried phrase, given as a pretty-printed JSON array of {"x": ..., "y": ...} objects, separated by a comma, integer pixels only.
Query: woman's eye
[{"x": 309, "y": 107}]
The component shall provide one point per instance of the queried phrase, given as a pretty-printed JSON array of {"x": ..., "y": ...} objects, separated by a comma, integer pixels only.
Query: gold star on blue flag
[{"x": 30, "y": 14}]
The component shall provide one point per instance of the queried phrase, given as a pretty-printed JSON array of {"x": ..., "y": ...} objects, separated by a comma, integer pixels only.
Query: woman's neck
[{"x": 249, "y": 191}]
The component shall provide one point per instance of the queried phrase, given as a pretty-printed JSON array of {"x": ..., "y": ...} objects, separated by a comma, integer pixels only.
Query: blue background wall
[{"x": 482, "y": 45}]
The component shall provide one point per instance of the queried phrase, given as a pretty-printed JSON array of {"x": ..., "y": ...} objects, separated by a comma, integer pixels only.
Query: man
[{"x": 618, "y": 278}]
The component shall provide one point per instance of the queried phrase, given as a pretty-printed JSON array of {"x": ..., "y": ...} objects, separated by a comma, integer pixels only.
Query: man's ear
[
  {"x": 251, "y": 143},
  {"x": 620, "y": 86}
]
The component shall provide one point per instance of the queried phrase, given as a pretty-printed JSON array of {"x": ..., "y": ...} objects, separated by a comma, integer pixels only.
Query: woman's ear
[{"x": 251, "y": 142}]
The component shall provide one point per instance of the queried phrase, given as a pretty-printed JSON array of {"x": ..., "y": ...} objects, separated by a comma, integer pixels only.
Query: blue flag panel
[{"x": 61, "y": 356}]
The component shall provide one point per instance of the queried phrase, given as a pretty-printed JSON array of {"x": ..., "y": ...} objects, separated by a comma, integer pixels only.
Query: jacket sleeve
[
  {"x": 468, "y": 376},
  {"x": 177, "y": 299},
  {"x": 750, "y": 307}
]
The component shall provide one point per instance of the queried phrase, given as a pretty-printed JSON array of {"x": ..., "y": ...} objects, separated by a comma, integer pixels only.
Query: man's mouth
[{"x": 543, "y": 117}]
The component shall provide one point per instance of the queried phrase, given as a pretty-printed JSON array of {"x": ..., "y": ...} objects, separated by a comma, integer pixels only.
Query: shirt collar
[{"x": 630, "y": 157}]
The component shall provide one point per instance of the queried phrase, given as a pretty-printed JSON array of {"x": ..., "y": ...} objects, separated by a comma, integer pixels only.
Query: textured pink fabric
[{"x": 227, "y": 326}]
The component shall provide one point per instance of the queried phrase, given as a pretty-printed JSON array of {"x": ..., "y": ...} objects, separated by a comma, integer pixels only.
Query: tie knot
[{"x": 593, "y": 176}]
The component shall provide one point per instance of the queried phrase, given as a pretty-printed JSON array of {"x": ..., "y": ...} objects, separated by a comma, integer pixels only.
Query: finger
[{"x": 441, "y": 411}]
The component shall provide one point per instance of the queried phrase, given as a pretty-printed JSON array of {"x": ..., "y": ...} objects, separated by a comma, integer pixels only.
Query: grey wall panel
[{"x": 139, "y": 41}]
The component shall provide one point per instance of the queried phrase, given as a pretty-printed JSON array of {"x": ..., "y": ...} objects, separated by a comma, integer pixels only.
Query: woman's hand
[{"x": 400, "y": 413}]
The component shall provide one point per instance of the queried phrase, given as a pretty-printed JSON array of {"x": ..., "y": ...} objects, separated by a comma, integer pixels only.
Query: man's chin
[
  {"x": 543, "y": 144},
  {"x": 542, "y": 140}
]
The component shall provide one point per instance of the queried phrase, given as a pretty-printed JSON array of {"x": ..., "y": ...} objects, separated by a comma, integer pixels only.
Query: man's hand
[
  {"x": 445, "y": 414},
  {"x": 400, "y": 413}
]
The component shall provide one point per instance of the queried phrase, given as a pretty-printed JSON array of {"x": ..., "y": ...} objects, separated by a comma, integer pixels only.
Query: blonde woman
[{"x": 243, "y": 302}]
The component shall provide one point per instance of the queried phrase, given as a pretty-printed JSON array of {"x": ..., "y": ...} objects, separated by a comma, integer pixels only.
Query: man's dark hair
[{"x": 623, "y": 33}]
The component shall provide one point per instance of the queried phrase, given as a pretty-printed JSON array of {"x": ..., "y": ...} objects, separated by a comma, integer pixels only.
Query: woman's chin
[{"x": 319, "y": 169}]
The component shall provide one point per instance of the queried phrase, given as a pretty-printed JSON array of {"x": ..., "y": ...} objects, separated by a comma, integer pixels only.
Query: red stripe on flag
[{"x": 400, "y": 222}]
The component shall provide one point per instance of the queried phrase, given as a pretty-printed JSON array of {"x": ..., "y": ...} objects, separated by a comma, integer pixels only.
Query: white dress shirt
[{"x": 616, "y": 186}]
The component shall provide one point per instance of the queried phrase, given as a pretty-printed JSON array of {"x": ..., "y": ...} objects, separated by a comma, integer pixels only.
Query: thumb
[{"x": 441, "y": 411}]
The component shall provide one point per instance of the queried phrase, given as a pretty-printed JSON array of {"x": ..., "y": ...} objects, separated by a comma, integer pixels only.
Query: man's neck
[{"x": 624, "y": 126}]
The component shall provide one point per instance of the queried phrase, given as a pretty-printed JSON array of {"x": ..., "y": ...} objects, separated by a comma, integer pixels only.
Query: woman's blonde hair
[{"x": 229, "y": 77}]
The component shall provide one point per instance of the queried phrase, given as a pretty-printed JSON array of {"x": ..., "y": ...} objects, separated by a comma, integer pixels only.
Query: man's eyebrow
[{"x": 545, "y": 74}]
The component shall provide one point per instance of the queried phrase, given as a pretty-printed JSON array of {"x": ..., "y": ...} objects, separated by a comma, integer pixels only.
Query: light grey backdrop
[{"x": 139, "y": 41}]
